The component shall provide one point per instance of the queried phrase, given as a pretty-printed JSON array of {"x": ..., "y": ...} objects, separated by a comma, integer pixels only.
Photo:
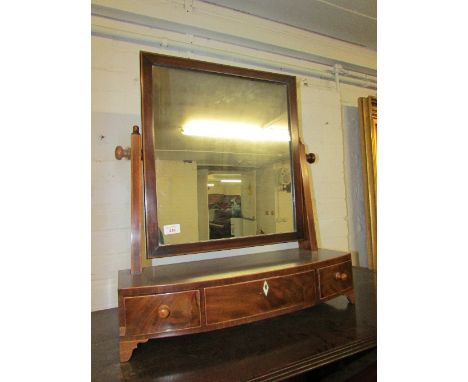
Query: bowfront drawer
[
  {"x": 335, "y": 279},
  {"x": 162, "y": 312},
  {"x": 260, "y": 297}
]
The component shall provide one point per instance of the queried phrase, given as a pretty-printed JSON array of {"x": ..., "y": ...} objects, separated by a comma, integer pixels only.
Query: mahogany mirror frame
[{"x": 153, "y": 248}]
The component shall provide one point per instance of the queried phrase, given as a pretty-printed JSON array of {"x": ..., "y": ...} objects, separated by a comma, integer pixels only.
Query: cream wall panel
[
  {"x": 226, "y": 21},
  {"x": 328, "y": 208},
  {"x": 339, "y": 243},
  {"x": 332, "y": 155},
  {"x": 350, "y": 94},
  {"x": 113, "y": 192},
  {"x": 108, "y": 101},
  {"x": 114, "y": 81},
  {"x": 322, "y": 134},
  {"x": 115, "y": 76},
  {"x": 328, "y": 189},
  {"x": 109, "y": 130},
  {"x": 110, "y": 183},
  {"x": 106, "y": 242},
  {"x": 106, "y": 172},
  {"x": 110, "y": 198},
  {"x": 113, "y": 55},
  {"x": 110, "y": 264},
  {"x": 110, "y": 216},
  {"x": 338, "y": 225},
  {"x": 327, "y": 172},
  {"x": 101, "y": 298}
]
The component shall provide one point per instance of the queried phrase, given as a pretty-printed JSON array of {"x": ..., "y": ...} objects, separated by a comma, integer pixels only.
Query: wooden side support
[
  {"x": 134, "y": 153},
  {"x": 310, "y": 238},
  {"x": 136, "y": 205},
  {"x": 351, "y": 296},
  {"x": 126, "y": 348}
]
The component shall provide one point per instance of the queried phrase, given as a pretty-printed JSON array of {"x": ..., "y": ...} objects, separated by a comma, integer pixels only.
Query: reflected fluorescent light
[
  {"x": 235, "y": 130},
  {"x": 231, "y": 181},
  {"x": 210, "y": 184}
]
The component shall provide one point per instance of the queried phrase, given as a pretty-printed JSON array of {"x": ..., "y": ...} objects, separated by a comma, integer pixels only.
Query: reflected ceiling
[{"x": 218, "y": 97}]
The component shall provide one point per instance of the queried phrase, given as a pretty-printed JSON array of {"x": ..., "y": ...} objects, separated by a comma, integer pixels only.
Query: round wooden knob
[
  {"x": 341, "y": 276},
  {"x": 120, "y": 152},
  {"x": 163, "y": 311},
  {"x": 310, "y": 157}
]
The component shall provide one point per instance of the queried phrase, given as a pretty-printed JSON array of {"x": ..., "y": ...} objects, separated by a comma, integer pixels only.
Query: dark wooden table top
[{"x": 269, "y": 350}]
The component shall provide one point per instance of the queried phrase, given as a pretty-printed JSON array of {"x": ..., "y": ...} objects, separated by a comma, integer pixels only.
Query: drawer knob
[
  {"x": 163, "y": 311},
  {"x": 341, "y": 276}
]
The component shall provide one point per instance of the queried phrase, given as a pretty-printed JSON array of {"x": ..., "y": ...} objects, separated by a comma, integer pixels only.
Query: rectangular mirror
[{"x": 220, "y": 156}]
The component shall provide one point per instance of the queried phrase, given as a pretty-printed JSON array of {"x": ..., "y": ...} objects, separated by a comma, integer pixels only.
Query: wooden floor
[{"x": 334, "y": 341}]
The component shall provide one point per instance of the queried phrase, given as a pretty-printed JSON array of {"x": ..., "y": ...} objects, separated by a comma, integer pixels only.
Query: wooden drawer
[
  {"x": 335, "y": 279},
  {"x": 162, "y": 312},
  {"x": 260, "y": 297}
]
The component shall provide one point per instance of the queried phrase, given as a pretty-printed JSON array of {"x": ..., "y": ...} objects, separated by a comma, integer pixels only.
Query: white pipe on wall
[{"x": 123, "y": 32}]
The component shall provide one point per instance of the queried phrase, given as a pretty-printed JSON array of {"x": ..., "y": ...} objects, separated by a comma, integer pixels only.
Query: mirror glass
[{"x": 222, "y": 146}]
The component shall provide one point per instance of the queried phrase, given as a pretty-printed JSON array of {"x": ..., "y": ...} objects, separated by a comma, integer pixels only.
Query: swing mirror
[{"x": 220, "y": 156}]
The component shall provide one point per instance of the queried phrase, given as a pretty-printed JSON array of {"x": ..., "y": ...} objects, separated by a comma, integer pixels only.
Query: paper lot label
[{"x": 171, "y": 229}]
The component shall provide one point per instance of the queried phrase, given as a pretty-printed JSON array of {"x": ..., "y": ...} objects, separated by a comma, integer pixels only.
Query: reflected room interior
[{"x": 223, "y": 156}]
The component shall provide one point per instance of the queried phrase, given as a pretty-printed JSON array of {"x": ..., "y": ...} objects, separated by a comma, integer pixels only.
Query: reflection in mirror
[{"x": 222, "y": 150}]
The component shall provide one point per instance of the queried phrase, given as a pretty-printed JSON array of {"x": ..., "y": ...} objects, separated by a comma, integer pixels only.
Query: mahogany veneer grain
[
  {"x": 201, "y": 296},
  {"x": 329, "y": 285},
  {"x": 248, "y": 299},
  {"x": 142, "y": 315}
]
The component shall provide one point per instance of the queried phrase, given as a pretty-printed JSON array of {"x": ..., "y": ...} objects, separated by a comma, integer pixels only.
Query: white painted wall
[
  {"x": 116, "y": 108},
  {"x": 322, "y": 132}
]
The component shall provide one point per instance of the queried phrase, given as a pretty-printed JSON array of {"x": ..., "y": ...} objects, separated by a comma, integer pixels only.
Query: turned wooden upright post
[
  {"x": 310, "y": 238},
  {"x": 135, "y": 212}
]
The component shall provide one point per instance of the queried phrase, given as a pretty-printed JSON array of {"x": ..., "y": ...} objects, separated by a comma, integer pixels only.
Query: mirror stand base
[
  {"x": 351, "y": 297},
  {"x": 207, "y": 295},
  {"x": 126, "y": 348}
]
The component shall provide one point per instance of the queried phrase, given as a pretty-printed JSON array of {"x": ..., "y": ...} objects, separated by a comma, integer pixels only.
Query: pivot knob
[
  {"x": 163, "y": 311},
  {"x": 341, "y": 276}
]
